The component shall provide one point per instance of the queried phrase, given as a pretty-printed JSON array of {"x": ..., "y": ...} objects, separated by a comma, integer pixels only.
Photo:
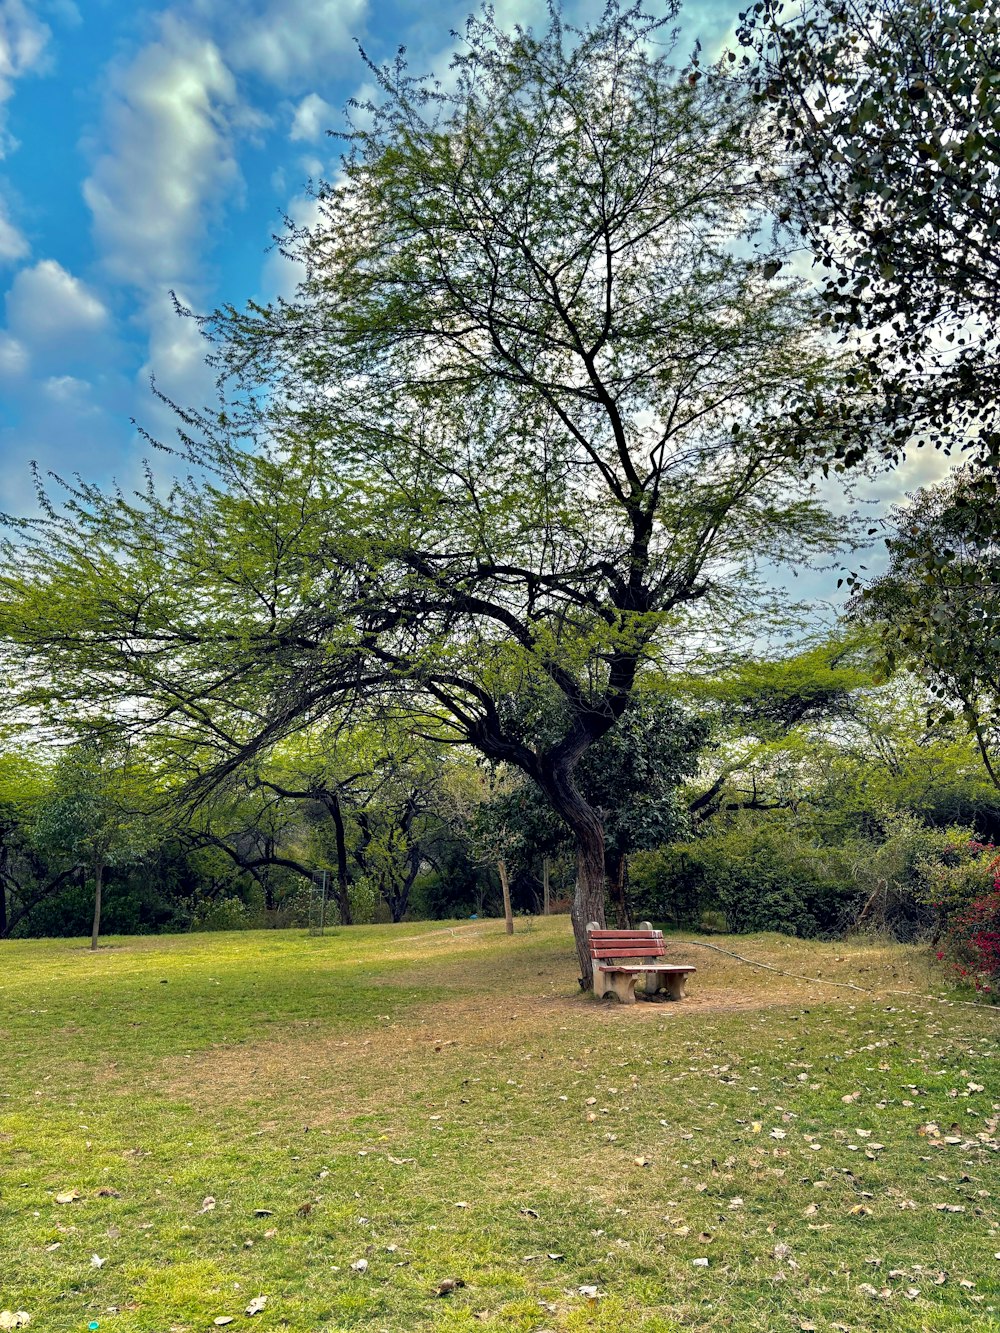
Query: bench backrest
[{"x": 615, "y": 944}]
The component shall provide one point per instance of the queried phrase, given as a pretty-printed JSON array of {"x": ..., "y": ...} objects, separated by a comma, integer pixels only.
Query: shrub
[
  {"x": 958, "y": 877},
  {"x": 965, "y": 891},
  {"x": 761, "y": 873},
  {"x": 222, "y": 913},
  {"x": 892, "y": 868}
]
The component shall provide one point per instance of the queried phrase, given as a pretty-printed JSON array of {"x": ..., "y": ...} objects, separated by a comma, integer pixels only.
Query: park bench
[{"x": 622, "y": 956}]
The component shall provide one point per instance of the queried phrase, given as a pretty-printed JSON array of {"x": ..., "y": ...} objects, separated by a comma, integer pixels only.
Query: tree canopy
[{"x": 888, "y": 109}]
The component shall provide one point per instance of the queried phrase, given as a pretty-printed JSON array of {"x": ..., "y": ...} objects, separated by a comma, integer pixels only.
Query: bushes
[
  {"x": 769, "y": 871},
  {"x": 972, "y": 943},
  {"x": 769, "y": 877},
  {"x": 763, "y": 874},
  {"x": 965, "y": 892}
]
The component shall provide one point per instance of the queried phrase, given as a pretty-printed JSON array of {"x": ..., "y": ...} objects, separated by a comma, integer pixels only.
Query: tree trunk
[
  {"x": 546, "y": 899},
  {"x": 588, "y": 900},
  {"x": 98, "y": 887},
  {"x": 505, "y": 885},
  {"x": 587, "y": 828},
  {"x": 343, "y": 879},
  {"x": 619, "y": 896}
]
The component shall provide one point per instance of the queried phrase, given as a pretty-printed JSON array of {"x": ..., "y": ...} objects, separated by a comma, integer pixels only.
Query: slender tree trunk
[
  {"x": 546, "y": 899},
  {"x": 588, "y": 831},
  {"x": 619, "y": 895},
  {"x": 505, "y": 886},
  {"x": 343, "y": 879},
  {"x": 588, "y": 900},
  {"x": 98, "y": 889}
]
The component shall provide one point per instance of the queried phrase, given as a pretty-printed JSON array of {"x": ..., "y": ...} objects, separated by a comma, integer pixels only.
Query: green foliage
[
  {"x": 937, "y": 608},
  {"x": 769, "y": 874},
  {"x": 964, "y": 872},
  {"x": 632, "y": 775},
  {"x": 93, "y": 812},
  {"x": 221, "y": 914},
  {"x": 889, "y": 111}
]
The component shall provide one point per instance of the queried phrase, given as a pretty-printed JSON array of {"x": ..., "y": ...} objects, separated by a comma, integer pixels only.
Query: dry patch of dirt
[{"x": 524, "y": 1005}]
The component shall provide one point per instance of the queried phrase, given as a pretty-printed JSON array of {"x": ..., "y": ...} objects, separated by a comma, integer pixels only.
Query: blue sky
[{"x": 145, "y": 148}]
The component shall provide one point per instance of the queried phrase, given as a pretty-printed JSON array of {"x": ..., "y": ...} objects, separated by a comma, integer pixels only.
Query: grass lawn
[{"x": 341, "y": 1124}]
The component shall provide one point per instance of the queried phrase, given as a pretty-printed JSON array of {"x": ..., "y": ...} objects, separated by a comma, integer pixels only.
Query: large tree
[{"x": 539, "y": 418}]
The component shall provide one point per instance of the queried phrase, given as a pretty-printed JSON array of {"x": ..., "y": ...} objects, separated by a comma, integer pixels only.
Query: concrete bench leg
[
  {"x": 655, "y": 981},
  {"x": 619, "y": 984},
  {"x": 676, "y": 984}
]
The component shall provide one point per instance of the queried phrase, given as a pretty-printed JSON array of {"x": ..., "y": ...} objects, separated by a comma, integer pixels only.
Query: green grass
[{"x": 385, "y": 1076}]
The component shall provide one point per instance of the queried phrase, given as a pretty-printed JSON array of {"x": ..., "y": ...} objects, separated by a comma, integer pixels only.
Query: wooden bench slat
[
  {"x": 626, "y": 934},
  {"x": 619, "y": 951}
]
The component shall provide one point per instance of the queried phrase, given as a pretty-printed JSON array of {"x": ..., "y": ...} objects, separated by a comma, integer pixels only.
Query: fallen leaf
[
  {"x": 527, "y": 1212},
  {"x": 699, "y": 1263},
  {"x": 556, "y": 1257},
  {"x": 207, "y": 1204},
  {"x": 256, "y": 1305},
  {"x": 642, "y": 1161},
  {"x": 360, "y": 1265},
  {"x": 96, "y": 1261},
  {"x": 263, "y": 1212},
  {"x": 223, "y": 1319},
  {"x": 859, "y": 1210},
  {"x": 68, "y": 1196},
  {"x": 14, "y": 1318},
  {"x": 450, "y": 1284},
  {"x": 868, "y": 1290}
]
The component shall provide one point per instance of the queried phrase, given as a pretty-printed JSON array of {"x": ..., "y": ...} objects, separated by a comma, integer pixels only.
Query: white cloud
[
  {"x": 287, "y": 41},
  {"x": 313, "y": 117},
  {"x": 170, "y": 161},
  {"x": 23, "y": 39},
  {"x": 14, "y": 359},
  {"x": 13, "y": 245},
  {"x": 48, "y": 307},
  {"x": 69, "y": 391}
]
